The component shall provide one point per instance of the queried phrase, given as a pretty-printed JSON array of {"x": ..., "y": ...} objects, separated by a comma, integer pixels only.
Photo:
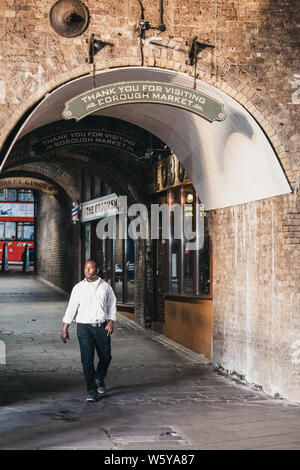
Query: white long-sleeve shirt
[{"x": 91, "y": 302}]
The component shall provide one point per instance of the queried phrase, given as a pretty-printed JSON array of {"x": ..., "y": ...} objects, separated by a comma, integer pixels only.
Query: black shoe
[
  {"x": 91, "y": 395},
  {"x": 100, "y": 386}
]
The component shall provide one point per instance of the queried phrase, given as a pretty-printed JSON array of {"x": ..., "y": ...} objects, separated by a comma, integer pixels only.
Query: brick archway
[
  {"x": 51, "y": 171},
  {"x": 233, "y": 81},
  {"x": 235, "y": 156}
]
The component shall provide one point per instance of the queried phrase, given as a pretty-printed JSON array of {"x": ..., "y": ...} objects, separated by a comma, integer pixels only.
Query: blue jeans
[{"x": 91, "y": 338}]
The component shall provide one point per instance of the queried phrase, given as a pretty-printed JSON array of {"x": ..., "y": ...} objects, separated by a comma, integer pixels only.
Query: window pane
[
  {"x": 118, "y": 269},
  {"x": 8, "y": 195},
  {"x": 2, "y": 230},
  {"x": 25, "y": 195},
  {"x": 204, "y": 268},
  {"x": 188, "y": 254},
  {"x": 129, "y": 246},
  {"x": 108, "y": 260},
  {"x": 25, "y": 231},
  {"x": 87, "y": 231},
  {"x": 188, "y": 271},
  {"x": 20, "y": 231},
  {"x": 101, "y": 258},
  {"x": 10, "y": 230},
  {"x": 28, "y": 232},
  {"x": 174, "y": 268},
  {"x": 174, "y": 242},
  {"x": 11, "y": 194}
]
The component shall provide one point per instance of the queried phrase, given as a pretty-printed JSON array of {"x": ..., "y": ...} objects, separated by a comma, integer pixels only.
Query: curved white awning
[{"x": 229, "y": 162}]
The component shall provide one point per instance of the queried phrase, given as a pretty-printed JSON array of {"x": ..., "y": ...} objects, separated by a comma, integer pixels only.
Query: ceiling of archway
[
  {"x": 113, "y": 138},
  {"x": 118, "y": 149},
  {"x": 229, "y": 162}
]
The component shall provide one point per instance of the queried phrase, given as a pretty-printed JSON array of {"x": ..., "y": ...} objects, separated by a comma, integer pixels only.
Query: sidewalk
[{"x": 159, "y": 395}]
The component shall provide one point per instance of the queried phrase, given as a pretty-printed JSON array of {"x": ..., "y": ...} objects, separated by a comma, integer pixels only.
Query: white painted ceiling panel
[{"x": 229, "y": 162}]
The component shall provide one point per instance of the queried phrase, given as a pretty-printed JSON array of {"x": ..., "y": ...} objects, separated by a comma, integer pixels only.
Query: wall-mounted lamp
[{"x": 69, "y": 18}]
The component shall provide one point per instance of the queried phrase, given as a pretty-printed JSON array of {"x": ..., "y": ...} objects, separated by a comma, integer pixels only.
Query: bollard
[
  {"x": 26, "y": 262},
  {"x": 5, "y": 258}
]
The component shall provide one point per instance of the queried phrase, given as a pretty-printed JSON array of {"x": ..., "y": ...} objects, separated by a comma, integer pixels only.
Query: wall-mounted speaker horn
[{"x": 69, "y": 18}]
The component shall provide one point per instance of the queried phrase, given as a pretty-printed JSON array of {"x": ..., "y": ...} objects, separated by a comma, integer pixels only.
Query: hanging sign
[
  {"x": 101, "y": 207},
  {"x": 143, "y": 92},
  {"x": 167, "y": 173},
  {"x": 101, "y": 137}
]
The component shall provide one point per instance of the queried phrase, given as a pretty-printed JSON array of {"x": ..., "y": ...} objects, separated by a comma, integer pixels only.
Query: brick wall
[
  {"x": 254, "y": 60},
  {"x": 57, "y": 242},
  {"x": 256, "y": 293}
]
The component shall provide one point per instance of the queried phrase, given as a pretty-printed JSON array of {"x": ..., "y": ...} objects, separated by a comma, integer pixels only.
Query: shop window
[
  {"x": 129, "y": 251},
  {"x": 189, "y": 257},
  {"x": 87, "y": 238},
  {"x": 187, "y": 199},
  {"x": 118, "y": 268},
  {"x": 108, "y": 246},
  {"x": 117, "y": 262},
  {"x": 173, "y": 198},
  {"x": 174, "y": 268},
  {"x": 204, "y": 268}
]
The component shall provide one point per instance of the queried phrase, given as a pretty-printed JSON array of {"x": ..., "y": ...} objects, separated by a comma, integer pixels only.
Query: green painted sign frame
[
  {"x": 77, "y": 137},
  {"x": 132, "y": 92}
]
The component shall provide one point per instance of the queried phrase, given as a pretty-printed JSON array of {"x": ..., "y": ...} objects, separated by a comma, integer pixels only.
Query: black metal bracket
[
  {"x": 195, "y": 47},
  {"x": 95, "y": 46},
  {"x": 144, "y": 25}
]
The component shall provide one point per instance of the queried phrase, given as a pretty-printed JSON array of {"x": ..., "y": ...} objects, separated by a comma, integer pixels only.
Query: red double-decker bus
[{"x": 17, "y": 223}]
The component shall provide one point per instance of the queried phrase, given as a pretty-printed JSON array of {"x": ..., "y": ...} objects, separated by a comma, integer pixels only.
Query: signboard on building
[
  {"x": 102, "y": 137},
  {"x": 167, "y": 173},
  {"x": 101, "y": 207},
  {"x": 18, "y": 182},
  {"x": 144, "y": 92}
]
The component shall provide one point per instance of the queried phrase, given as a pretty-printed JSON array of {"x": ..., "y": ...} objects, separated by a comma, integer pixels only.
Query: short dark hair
[{"x": 92, "y": 261}]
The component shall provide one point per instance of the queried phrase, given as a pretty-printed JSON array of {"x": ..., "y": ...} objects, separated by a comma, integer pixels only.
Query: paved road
[{"x": 160, "y": 395}]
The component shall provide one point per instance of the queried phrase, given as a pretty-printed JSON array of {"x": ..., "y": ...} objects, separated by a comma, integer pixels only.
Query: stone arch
[
  {"x": 52, "y": 172},
  {"x": 57, "y": 238},
  {"x": 229, "y": 78},
  {"x": 125, "y": 185},
  {"x": 197, "y": 167}
]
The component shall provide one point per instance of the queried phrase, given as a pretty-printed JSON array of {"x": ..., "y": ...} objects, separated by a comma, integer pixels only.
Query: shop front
[
  {"x": 182, "y": 261},
  {"x": 115, "y": 254}
]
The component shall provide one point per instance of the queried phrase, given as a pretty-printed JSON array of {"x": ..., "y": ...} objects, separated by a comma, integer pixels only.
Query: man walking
[{"x": 93, "y": 303}]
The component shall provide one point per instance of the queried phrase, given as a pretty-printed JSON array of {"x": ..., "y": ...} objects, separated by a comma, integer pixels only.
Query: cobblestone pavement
[{"x": 159, "y": 394}]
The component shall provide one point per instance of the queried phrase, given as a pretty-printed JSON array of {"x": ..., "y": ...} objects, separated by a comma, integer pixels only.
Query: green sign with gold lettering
[{"x": 144, "y": 92}]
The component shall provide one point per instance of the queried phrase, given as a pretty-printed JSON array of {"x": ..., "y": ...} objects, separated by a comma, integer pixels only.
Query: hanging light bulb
[{"x": 189, "y": 198}]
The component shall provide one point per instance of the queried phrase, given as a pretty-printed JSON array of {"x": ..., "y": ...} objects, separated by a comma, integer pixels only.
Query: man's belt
[{"x": 99, "y": 324}]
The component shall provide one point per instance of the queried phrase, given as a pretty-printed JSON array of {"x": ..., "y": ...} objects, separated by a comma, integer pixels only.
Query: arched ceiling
[{"x": 229, "y": 162}]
